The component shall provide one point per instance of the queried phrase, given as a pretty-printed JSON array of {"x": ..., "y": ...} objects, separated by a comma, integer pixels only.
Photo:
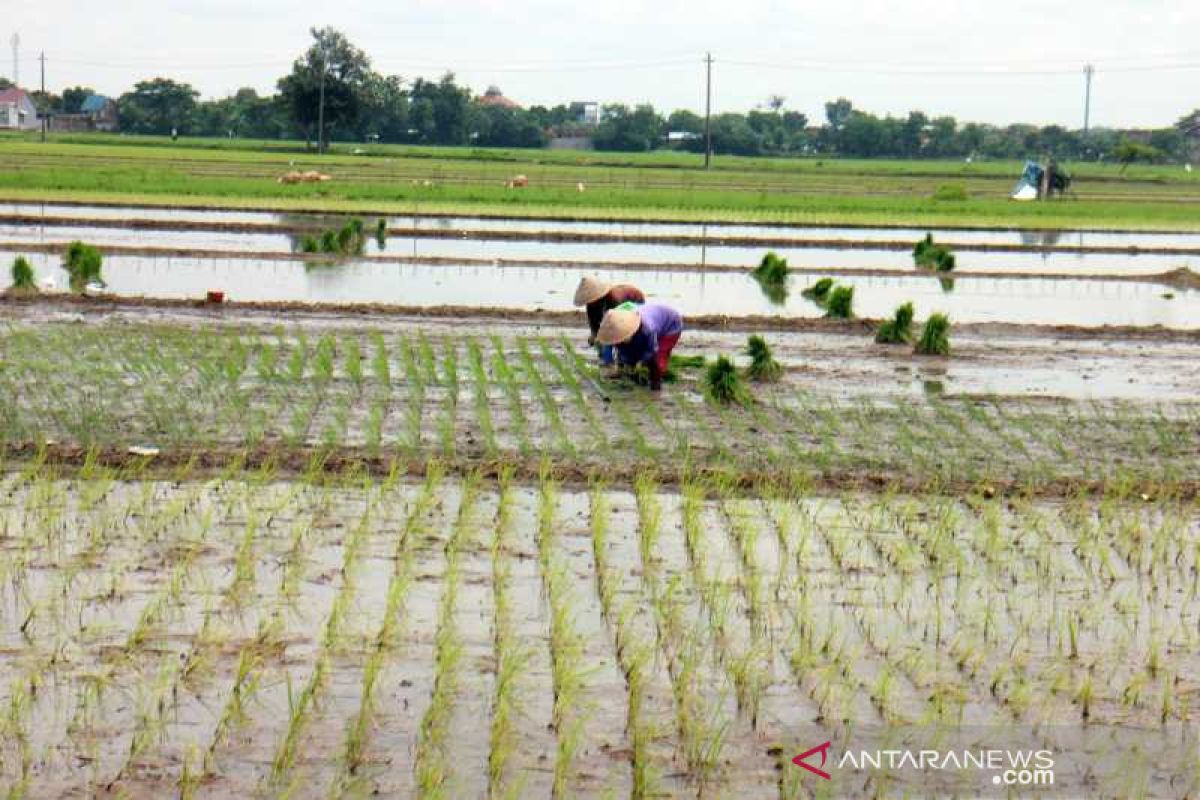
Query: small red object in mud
[{"x": 214, "y": 297}]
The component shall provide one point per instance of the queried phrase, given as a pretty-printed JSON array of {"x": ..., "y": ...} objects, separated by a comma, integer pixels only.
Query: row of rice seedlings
[
  {"x": 433, "y": 762},
  {"x": 702, "y": 727},
  {"x": 549, "y": 405},
  {"x": 568, "y": 714},
  {"x": 512, "y": 393},
  {"x": 634, "y": 655},
  {"x": 571, "y": 380},
  {"x": 483, "y": 410},
  {"x": 350, "y": 779},
  {"x": 301, "y": 705},
  {"x": 511, "y": 657},
  {"x": 415, "y": 380},
  {"x": 448, "y": 422}
]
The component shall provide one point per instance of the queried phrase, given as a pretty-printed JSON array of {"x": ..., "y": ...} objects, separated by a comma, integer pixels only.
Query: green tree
[
  {"x": 639, "y": 129},
  {"x": 438, "y": 111},
  {"x": 158, "y": 106},
  {"x": 73, "y": 97},
  {"x": 345, "y": 71}
]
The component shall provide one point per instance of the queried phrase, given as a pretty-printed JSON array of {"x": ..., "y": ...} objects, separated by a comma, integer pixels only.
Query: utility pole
[
  {"x": 708, "y": 110},
  {"x": 16, "y": 48},
  {"x": 45, "y": 99},
  {"x": 1088, "y": 71}
]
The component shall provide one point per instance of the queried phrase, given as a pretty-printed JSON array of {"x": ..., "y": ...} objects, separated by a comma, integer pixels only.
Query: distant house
[
  {"x": 586, "y": 112},
  {"x": 17, "y": 111},
  {"x": 494, "y": 97},
  {"x": 97, "y": 113}
]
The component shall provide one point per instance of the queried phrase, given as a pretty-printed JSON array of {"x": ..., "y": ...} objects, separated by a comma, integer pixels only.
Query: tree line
[{"x": 362, "y": 105}]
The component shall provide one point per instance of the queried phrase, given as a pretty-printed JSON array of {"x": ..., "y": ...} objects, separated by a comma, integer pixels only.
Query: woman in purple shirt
[{"x": 643, "y": 335}]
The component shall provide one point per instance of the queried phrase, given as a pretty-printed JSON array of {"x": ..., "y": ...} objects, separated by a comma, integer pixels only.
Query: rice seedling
[
  {"x": 763, "y": 366},
  {"x": 819, "y": 291},
  {"x": 772, "y": 274},
  {"x": 898, "y": 329},
  {"x": 927, "y": 253},
  {"x": 381, "y": 233},
  {"x": 23, "y": 279},
  {"x": 935, "y": 336},
  {"x": 723, "y": 384},
  {"x": 483, "y": 409},
  {"x": 840, "y": 304},
  {"x": 82, "y": 263}
]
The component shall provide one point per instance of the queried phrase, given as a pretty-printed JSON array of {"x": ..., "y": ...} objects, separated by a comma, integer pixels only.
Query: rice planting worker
[
  {"x": 643, "y": 335},
  {"x": 600, "y": 297}
]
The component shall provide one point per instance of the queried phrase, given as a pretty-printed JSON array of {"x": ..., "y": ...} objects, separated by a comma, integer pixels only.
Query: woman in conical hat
[
  {"x": 599, "y": 297},
  {"x": 643, "y": 335}
]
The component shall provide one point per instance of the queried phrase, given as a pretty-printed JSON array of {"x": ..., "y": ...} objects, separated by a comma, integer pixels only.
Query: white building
[{"x": 17, "y": 112}]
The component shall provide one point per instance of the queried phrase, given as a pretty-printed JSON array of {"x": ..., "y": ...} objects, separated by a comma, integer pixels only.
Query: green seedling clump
[
  {"x": 82, "y": 263},
  {"x": 310, "y": 244},
  {"x": 22, "y": 275},
  {"x": 381, "y": 231},
  {"x": 819, "y": 291},
  {"x": 840, "y": 304},
  {"x": 931, "y": 255},
  {"x": 935, "y": 337},
  {"x": 687, "y": 362},
  {"x": 723, "y": 384},
  {"x": 772, "y": 274},
  {"x": 763, "y": 366},
  {"x": 898, "y": 329}
]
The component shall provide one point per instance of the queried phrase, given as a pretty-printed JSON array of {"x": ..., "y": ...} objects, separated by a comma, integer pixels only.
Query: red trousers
[{"x": 665, "y": 345}]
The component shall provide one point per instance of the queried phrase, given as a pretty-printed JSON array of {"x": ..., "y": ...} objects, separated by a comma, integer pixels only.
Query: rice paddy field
[{"x": 378, "y": 524}]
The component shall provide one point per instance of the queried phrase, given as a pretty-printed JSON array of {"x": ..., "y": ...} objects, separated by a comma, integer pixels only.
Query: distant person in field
[
  {"x": 643, "y": 335},
  {"x": 600, "y": 297}
]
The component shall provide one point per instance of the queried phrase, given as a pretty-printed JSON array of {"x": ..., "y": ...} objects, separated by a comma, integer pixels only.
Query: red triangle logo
[{"x": 823, "y": 749}]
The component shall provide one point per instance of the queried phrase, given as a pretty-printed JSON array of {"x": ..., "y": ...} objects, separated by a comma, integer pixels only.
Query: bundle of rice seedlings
[
  {"x": 309, "y": 244},
  {"x": 819, "y": 290},
  {"x": 22, "y": 275},
  {"x": 763, "y": 366},
  {"x": 840, "y": 304},
  {"x": 723, "y": 384},
  {"x": 687, "y": 362},
  {"x": 898, "y": 329},
  {"x": 82, "y": 264},
  {"x": 381, "y": 230},
  {"x": 772, "y": 274},
  {"x": 935, "y": 337},
  {"x": 927, "y": 253},
  {"x": 329, "y": 242}
]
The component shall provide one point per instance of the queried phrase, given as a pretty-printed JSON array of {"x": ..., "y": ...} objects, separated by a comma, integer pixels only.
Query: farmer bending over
[
  {"x": 644, "y": 335},
  {"x": 600, "y": 297}
]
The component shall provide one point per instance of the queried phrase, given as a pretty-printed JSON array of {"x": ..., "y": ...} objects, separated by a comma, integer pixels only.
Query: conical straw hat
[
  {"x": 590, "y": 290},
  {"x": 617, "y": 326}
]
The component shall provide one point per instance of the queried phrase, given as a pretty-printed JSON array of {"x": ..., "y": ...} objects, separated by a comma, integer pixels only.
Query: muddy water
[
  {"x": 1035, "y": 238},
  {"x": 1047, "y": 262},
  {"x": 1024, "y": 300}
]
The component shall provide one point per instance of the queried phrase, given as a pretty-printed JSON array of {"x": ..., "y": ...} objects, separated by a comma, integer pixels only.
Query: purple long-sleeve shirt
[{"x": 657, "y": 321}]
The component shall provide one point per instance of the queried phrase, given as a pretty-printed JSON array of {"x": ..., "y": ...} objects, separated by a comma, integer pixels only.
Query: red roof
[
  {"x": 13, "y": 95},
  {"x": 497, "y": 100}
]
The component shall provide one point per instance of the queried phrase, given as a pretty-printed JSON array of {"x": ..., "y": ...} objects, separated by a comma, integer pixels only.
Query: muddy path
[
  {"x": 589, "y": 237},
  {"x": 32, "y": 308}
]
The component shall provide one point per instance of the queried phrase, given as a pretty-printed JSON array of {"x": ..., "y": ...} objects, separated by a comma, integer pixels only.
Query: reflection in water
[
  {"x": 776, "y": 291},
  {"x": 947, "y": 284},
  {"x": 1043, "y": 238}
]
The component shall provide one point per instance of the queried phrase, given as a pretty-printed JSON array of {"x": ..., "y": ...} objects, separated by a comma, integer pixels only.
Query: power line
[{"x": 997, "y": 71}]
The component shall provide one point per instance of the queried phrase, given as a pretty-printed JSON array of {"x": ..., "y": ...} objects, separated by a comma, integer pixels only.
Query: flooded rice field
[
  {"x": 705, "y": 231},
  {"x": 1031, "y": 299},
  {"x": 248, "y": 635}
]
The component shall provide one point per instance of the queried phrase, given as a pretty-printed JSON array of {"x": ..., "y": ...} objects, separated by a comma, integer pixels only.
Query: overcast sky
[{"x": 999, "y": 62}]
